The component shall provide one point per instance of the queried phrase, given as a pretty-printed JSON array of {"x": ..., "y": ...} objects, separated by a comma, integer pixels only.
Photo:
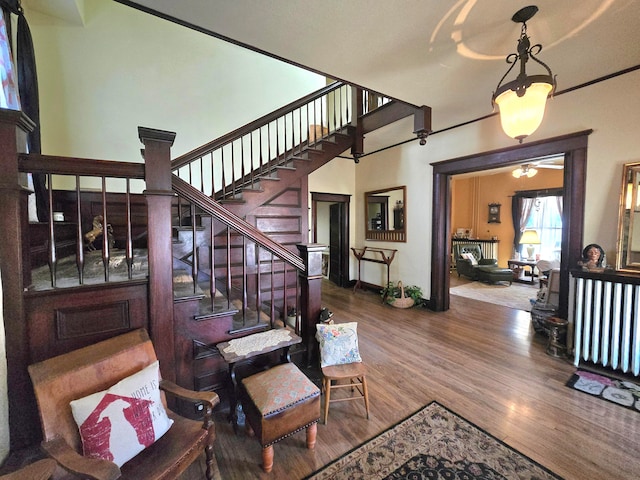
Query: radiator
[
  {"x": 606, "y": 319},
  {"x": 489, "y": 247}
]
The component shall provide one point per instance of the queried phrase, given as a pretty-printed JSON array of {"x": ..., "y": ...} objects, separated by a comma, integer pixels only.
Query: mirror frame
[
  {"x": 387, "y": 235},
  {"x": 626, "y": 228}
]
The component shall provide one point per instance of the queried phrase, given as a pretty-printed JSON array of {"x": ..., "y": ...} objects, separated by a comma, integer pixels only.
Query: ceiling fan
[{"x": 530, "y": 169}]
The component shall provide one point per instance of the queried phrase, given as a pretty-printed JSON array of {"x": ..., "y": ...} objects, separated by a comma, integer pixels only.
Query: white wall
[{"x": 125, "y": 69}]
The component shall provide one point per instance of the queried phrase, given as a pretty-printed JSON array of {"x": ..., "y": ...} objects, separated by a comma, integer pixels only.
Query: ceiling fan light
[
  {"x": 521, "y": 116},
  {"x": 532, "y": 172}
]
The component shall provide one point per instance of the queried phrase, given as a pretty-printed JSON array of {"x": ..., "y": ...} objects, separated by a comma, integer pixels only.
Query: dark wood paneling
[{"x": 62, "y": 320}]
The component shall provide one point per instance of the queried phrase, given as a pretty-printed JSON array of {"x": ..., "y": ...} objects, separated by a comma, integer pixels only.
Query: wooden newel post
[
  {"x": 159, "y": 195},
  {"x": 23, "y": 418},
  {"x": 311, "y": 297}
]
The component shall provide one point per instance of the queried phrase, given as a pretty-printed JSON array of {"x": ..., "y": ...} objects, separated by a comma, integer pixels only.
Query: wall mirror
[
  {"x": 628, "y": 255},
  {"x": 385, "y": 214}
]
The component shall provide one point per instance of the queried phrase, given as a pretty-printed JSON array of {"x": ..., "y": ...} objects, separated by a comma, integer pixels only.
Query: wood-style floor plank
[{"x": 484, "y": 362}]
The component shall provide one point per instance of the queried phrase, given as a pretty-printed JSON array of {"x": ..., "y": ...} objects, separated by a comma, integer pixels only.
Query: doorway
[
  {"x": 330, "y": 226},
  {"x": 574, "y": 149}
]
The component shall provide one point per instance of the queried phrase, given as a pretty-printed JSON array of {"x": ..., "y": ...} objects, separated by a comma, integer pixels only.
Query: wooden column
[
  {"x": 23, "y": 413},
  {"x": 310, "y": 297},
  {"x": 159, "y": 194}
]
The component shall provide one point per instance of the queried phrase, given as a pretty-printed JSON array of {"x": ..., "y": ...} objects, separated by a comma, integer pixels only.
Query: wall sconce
[
  {"x": 524, "y": 171},
  {"x": 522, "y": 101}
]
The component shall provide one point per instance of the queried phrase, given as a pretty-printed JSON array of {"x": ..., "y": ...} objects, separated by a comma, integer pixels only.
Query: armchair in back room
[{"x": 468, "y": 257}]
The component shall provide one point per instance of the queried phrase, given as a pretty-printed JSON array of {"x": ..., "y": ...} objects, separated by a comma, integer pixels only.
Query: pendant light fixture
[{"x": 522, "y": 101}]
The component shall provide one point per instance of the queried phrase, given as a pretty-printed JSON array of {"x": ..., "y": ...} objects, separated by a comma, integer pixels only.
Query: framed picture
[{"x": 494, "y": 213}]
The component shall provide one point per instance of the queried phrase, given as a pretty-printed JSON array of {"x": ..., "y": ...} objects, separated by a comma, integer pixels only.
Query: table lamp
[{"x": 530, "y": 238}]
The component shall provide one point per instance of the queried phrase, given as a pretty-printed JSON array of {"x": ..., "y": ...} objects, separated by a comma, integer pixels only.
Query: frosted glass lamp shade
[{"x": 521, "y": 116}]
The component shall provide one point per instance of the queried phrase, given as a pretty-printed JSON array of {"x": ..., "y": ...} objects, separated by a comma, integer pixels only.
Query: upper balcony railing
[{"x": 221, "y": 168}]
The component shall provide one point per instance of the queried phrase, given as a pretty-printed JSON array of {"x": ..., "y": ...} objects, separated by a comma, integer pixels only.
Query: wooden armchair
[{"x": 74, "y": 375}]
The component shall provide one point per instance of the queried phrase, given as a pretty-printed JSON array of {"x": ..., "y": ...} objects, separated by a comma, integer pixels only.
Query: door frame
[
  {"x": 572, "y": 146},
  {"x": 344, "y": 247}
]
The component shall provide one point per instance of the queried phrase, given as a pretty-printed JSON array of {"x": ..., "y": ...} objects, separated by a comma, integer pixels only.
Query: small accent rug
[
  {"x": 514, "y": 296},
  {"x": 437, "y": 444},
  {"x": 622, "y": 392}
]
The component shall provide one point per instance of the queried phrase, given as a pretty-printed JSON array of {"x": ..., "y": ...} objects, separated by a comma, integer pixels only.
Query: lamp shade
[
  {"x": 530, "y": 237},
  {"x": 521, "y": 116}
]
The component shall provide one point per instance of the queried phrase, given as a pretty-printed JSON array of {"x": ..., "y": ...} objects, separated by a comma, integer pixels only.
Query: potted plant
[{"x": 400, "y": 296}]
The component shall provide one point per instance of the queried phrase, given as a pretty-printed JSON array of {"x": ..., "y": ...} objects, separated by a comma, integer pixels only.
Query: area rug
[
  {"x": 622, "y": 392},
  {"x": 437, "y": 444},
  {"x": 514, "y": 296}
]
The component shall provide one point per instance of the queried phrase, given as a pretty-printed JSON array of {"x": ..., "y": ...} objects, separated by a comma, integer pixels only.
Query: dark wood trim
[
  {"x": 36, "y": 163},
  {"x": 344, "y": 248},
  {"x": 574, "y": 148}
]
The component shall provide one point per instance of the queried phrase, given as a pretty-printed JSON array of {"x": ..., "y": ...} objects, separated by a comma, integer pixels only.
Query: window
[{"x": 546, "y": 218}]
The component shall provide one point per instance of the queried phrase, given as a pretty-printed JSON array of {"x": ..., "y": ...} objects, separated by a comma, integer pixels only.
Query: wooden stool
[
  {"x": 278, "y": 403},
  {"x": 356, "y": 373},
  {"x": 556, "y": 346}
]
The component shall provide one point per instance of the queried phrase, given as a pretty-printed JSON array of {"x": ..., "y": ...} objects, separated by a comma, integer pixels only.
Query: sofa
[{"x": 470, "y": 263}]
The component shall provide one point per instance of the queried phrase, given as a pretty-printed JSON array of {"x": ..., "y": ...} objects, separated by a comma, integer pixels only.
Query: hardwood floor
[{"x": 482, "y": 361}]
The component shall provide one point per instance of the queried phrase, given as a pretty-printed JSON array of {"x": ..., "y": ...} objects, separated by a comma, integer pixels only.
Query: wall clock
[{"x": 494, "y": 213}]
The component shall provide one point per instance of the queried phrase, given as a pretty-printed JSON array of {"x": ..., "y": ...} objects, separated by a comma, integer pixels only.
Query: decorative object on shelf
[
  {"x": 593, "y": 258},
  {"x": 522, "y": 101},
  {"x": 398, "y": 296},
  {"x": 525, "y": 170},
  {"x": 530, "y": 238},
  {"x": 494, "y": 213}
]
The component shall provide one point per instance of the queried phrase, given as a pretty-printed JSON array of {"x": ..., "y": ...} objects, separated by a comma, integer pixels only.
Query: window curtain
[
  {"x": 29, "y": 97},
  {"x": 520, "y": 212}
]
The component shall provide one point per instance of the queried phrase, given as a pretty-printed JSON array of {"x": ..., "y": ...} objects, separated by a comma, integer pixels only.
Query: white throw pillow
[
  {"x": 118, "y": 423},
  {"x": 469, "y": 256},
  {"x": 338, "y": 343}
]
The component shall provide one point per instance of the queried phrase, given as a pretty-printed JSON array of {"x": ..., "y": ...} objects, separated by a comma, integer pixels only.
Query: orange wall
[{"x": 471, "y": 198}]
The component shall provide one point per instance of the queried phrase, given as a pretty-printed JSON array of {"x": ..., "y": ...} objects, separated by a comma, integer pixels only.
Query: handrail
[
  {"x": 184, "y": 159},
  {"x": 36, "y": 163},
  {"x": 220, "y": 213}
]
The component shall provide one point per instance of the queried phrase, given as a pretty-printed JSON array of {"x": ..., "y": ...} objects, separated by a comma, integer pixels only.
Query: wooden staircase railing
[{"x": 239, "y": 160}]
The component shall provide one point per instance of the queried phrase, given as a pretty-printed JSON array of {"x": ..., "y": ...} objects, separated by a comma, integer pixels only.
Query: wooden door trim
[
  {"x": 344, "y": 247},
  {"x": 574, "y": 148}
]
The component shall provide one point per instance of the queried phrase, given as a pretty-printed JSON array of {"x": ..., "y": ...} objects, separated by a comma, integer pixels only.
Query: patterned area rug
[
  {"x": 514, "y": 296},
  {"x": 435, "y": 444},
  {"x": 622, "y": 392}
]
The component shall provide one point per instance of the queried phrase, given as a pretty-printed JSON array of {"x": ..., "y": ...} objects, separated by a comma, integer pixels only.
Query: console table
[
  {"x": 386, "y": 257},
  {"x": 516, "y": 266}
]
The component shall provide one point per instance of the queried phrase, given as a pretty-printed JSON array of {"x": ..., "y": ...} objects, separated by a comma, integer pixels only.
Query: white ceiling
[{"x": 444, "y": 54}]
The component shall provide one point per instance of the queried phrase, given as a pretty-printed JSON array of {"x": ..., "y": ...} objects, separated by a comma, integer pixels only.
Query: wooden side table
[
  {"x": 517, "y": 264},
  {"x": 244, "y": 348}
]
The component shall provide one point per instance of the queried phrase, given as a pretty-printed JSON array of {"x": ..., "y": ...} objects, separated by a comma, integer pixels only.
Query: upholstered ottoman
[
  {"x": 494, "y": 274},
  {"x": 280, "y": 402}
]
